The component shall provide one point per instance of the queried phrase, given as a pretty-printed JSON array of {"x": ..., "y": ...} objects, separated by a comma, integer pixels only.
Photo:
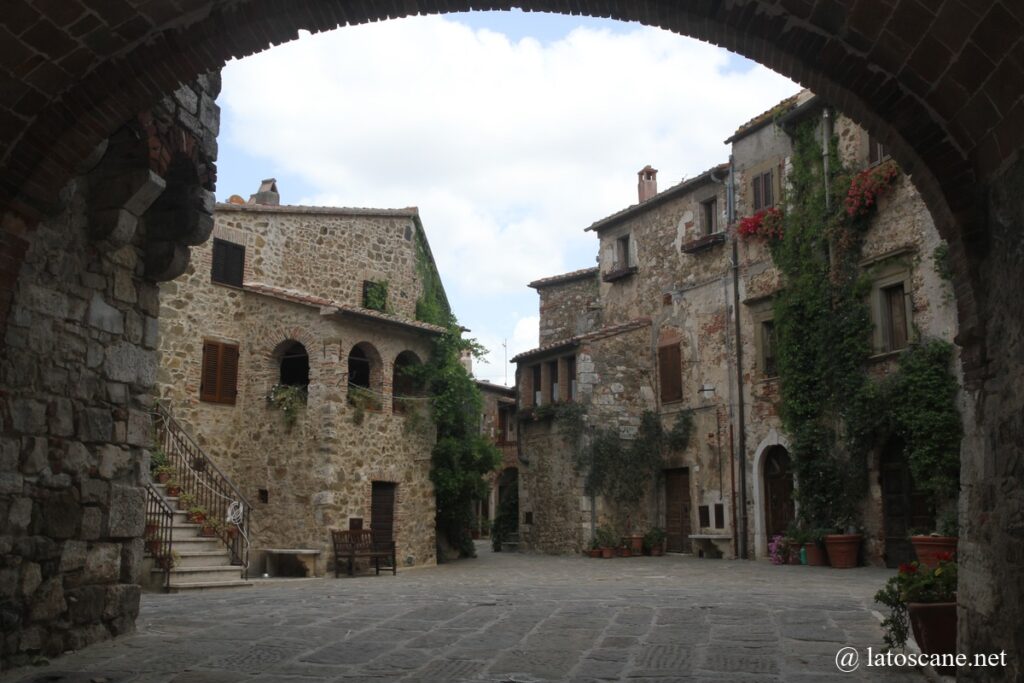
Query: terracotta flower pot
[
  {"x": 163, "y": 478},
  {"x": 815, "y": 555},
  {"x": 624, "y": 551},
  {"x": 594, "y": 552},
  {"x": 934, "y": 625},
  {"x": 929, "y": 547},
  {"x": 607, "y": 553},
  {"x": 657, "y": 550},
  {"x": 636, "y": 543},
  {"x": 843, "y": 549},
  {"x": 173, "y": 491}
]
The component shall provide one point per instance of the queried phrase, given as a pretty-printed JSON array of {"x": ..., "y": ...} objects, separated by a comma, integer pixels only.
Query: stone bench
[
  {"x": 306, "y": 557},
  {"x": 719, "y": 544}
]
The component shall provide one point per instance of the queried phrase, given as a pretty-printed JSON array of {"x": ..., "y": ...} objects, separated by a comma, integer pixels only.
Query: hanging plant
[
  {"x": 766, "y": 224},
  {"x": 289, "y": 400},
  {"x": 867, "y": 186}
]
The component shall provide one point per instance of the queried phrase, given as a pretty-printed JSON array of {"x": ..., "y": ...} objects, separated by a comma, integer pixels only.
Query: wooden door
[
  {"x": 778, "y": 492},
  {"x": 382, "y": 510},
  {"x": 677, "y": 510},
  {"x": 903, "y": 508}
]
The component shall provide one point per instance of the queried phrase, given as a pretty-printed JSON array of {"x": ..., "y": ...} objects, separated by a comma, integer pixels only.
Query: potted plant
[
  {"x": 844, "y": 548},
  {"x": 923, "y": 599},
  {"x": 814, "y": 548},
  {"x": 796, "y": 538},
  {"x": 185, "y": 501},
  {"x": 197, "y": 514},
  {"x": 163, "y": 474},
  {"x": 173, "y": 488},
  {"x": 594, "y": 550},
  {"x": 778, "y": 549},
  {"x": 654, "y": 542},
  {"x": 606, "y": 540},
  {"x": 211, "y": 528},
  {"x": 942, "y": 541}
]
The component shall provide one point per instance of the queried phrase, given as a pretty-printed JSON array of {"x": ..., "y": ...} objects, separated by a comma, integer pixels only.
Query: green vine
[
  {"x": 833, "y": 412},
  {"x": 289, "y": 400},
  {"x": 432, "y": 306},
  {"x": 375, "y": 296}
]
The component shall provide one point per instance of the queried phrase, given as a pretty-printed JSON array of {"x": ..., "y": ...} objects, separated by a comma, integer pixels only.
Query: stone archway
[
  {"x": 773, "y": 440},
  {"x": 938, "y": 83}
]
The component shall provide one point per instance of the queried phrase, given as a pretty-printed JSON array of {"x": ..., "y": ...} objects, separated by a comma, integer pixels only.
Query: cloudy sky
[{"x": 511, "y": 131}]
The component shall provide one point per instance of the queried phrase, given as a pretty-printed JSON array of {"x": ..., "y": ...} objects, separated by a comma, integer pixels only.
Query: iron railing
[
  {"x": 159, "y": 534},
  {"x": 207, "y": 486}
]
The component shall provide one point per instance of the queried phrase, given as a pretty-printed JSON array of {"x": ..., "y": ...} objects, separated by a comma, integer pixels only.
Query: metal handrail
[
  {"x": 210, "y": 489},
  {"x": 159, "y": 534}
]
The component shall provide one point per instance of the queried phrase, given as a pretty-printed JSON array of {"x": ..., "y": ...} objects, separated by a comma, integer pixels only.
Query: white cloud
[
  {"x": 510, "y": 149},
  {"x": 525, "y": 333}
]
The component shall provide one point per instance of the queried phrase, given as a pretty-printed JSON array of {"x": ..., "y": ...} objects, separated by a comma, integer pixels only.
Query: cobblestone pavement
[{"x": 504, "y": 617}]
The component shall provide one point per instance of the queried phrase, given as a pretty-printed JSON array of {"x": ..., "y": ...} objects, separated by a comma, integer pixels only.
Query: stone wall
[
  {"x": 569, "y": 306},
  {"x": 318, "y": 474},
  {"x": 76, "y": 376}
]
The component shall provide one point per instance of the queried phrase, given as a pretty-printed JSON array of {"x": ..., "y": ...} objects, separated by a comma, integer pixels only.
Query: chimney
[
  {"x": 267, "y": 194},
  {"x": 647, "y": 184}
]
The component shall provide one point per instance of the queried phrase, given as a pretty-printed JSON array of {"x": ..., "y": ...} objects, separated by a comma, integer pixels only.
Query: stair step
[
  {"x": 177, "y": 588},
  {"x": 211, "y": 558},
  {"x": 181, "y": 575}
]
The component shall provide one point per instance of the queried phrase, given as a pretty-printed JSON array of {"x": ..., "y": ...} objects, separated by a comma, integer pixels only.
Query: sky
[{"x": 510, "y": 131}]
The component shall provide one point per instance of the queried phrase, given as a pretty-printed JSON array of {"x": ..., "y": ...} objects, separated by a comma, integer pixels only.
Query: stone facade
[
  {"x": 668, "y": 260},
  {"x": 304, "y": 269},
  {"x": 78, "y": 368},
  {"x": 498, "y": 424}
]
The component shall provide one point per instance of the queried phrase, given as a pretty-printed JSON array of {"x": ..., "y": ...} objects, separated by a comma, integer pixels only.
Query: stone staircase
[{"x": 199, "y": 562}]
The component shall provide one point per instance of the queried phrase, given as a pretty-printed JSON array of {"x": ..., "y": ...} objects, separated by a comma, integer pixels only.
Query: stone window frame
[
  {"x": 875, "y": 151},
  {"x": 222, "y": 368},
  {"x": 624, "y": 257},
  {"x": 763, "y": 311},
  {"x": 376, "y": 372},
  {"x": 773, "y": 166},
  {"x": 886, "y": 272}
]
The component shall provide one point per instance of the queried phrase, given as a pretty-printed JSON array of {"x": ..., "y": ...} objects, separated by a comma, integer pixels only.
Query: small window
[
  {"x": 406, "y": 386},
  {"x": 877, "y": 153},
  {"x": 294, "y": 366},
  {"x": 768, "y": 345},
  {"x": 894, "y": 317},
  {"x": 537, "y": 393},
  {"x": 670, "y": 373},
  {"x": 219, "y": 382},
  {"x": 570, "y": 372},
  {"x": 709, "y": 216},
  {"x": 719, "y": 516},
  {"x": 622, "y": 255},
  {"x": 228, "y": 263},
  {"x": 553, "y": 394},
  {"x": 704, "y": 515},
  {"x": 763, "y": 191},
  {"x": 375, "y": 295}
]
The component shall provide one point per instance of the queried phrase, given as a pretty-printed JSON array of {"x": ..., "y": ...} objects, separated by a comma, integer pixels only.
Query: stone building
[
  {"x": 666, "y": 325},
  {"x": 321, "y": 303},
  {"x": 498, "y": 424}
]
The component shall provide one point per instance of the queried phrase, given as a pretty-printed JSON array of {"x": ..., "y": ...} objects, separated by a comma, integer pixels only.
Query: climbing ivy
[
  {"x": 432, "y": 305},
  {"x": 833, "y": 412},
  {"x": 375, "y": 296}
]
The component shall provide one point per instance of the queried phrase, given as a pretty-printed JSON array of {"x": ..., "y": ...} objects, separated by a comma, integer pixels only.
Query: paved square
[{"x": 504, "y": 617}]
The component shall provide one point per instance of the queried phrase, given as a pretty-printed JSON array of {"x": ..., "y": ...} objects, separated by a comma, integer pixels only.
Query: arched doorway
[
  {"x": 934, "y": 82},
  {"x": 779, "y": 509}
]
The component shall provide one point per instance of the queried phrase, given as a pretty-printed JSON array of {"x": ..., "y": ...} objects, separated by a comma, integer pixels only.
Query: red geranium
[
  {"x": 867, "y": 186},
  {"x": 764, "y": 223}
]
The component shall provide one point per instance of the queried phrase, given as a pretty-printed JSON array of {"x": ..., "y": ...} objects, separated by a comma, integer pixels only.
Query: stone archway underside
[{"x": 939, "y": 82}]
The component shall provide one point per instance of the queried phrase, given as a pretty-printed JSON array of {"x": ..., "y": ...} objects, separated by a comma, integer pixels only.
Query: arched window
[
  {"x": 405, "y": 385},
  {"x": 364, "y": 376},
  {"x": 294, "y": 368}
]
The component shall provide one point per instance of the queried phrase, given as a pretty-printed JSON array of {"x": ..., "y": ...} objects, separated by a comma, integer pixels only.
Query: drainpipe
[
  {"x": 826, "y": 143},
  {"x": 740, "y": 408}
]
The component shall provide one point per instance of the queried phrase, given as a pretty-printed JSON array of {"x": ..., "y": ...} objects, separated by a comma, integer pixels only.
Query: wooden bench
[{"x": 350, "y": 545}]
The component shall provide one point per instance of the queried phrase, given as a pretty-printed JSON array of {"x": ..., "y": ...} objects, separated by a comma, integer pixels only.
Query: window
[
  {"x": 406, "y": 387},
  {"x": 763, "y": 191},
  {"x": 719, "y": 516},
  {"x": 570, "y": 364},
  {"x": 228, "y": 263},
  {"x": 536, "y": 385},
  {"x": 877, "y": 153},
  {"x": 768, "y": 345},
  {"x": 219, "y": 382},
  {"x": 375, "y": 295},
  {"x": 553, "y": 394},
  {"x": 670, "y": 373},
  {"x": 704, "y": 516},
  {"x": 622, "y": 255},
  {"x": 709, "y": 216},
  {"x": 894, "y": 317},
  {"x": 364, "y": 377},
  {"x": 294, "y": 366}
]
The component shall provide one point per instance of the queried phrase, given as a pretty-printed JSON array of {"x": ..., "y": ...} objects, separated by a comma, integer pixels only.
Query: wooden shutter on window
[
  {"x": 670, "y": 373},
  {"x": 219, "y": 381},
  {"x": 228, "y": 263},
  {"x": 768, "y": 195},
  {"x": 757, "y": 193}
]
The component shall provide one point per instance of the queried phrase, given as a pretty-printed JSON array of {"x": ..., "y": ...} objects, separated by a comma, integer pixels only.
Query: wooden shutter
[
  {"x": 228, "y": 263},
  {"x": 768, "y": 195},
  {"x": 210, "y": 372},
  {"x": 757, "y": 193},
  {"x": 897, "y": 314},
  {"x": 219, "y": 380},
  {"x": 670, "y": 373}
]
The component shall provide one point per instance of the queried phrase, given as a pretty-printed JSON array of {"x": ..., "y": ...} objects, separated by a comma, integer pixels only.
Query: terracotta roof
[
  {"x": 564, "y": 277},
  {"x": 491, "y": 386},
  {"x": 320, "y": 302},
  {"x": 679, "y": 188},
  {"x": 764, "y": 118},
  {"x": 602, "y": 333},
  {"x": 408, "y": 212}
]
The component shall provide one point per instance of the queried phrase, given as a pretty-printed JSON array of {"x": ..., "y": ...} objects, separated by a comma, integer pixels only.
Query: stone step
[
  {"x": 207, "y": 585},
  {"x": 211, "y": 558},
  {"x": 197, "y": 544},
  {"x": 189, "y": 575}
]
